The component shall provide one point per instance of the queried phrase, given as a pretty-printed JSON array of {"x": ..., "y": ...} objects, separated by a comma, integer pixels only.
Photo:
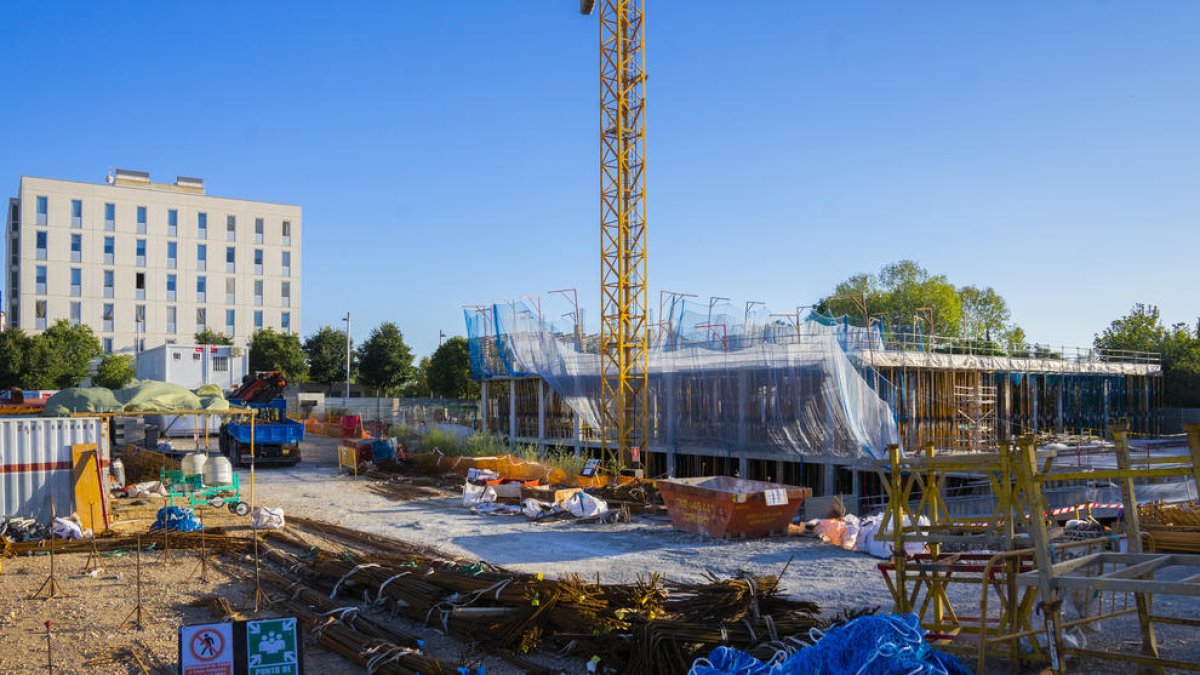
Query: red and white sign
[
  {"x": 206, "y": 649},
  {"x": 635, "y": 453}
]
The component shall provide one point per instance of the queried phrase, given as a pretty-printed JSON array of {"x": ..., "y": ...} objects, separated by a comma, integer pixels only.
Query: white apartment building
[{"x": 146, "y": 264}]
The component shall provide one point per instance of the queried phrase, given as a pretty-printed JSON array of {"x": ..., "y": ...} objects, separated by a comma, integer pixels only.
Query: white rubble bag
[
  {"x": 582, "y": 505},
  {"x": 477, "y": 494},
  {"x": 264, "y": 518},
  {"x": 868, "y": 528}
]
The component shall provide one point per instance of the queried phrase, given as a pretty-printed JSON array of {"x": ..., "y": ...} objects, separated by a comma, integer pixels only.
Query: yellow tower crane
[{"x": 624, "y": 324}]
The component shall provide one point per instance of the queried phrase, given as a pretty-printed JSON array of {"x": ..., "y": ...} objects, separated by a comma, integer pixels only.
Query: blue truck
[{"x": 276, "y": 438}]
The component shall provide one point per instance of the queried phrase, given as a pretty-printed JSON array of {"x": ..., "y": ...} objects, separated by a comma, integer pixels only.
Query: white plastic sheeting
[
  {"x": 714, "y": 382},
  {"x": 35, "y": 463}
]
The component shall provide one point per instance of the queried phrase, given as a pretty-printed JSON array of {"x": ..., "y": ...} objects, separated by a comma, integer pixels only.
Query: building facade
[{"x": 145, "y": 264}]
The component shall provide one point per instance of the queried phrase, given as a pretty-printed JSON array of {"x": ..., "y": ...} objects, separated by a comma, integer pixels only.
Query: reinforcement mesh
[{"x": 721, "y": 377}]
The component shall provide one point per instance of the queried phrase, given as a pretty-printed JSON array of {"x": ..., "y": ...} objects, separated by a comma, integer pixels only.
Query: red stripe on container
[{"x": 37, "y": 466}]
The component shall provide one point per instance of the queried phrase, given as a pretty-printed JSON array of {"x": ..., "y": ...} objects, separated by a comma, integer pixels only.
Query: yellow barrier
[{"x": 348, "y": 457}]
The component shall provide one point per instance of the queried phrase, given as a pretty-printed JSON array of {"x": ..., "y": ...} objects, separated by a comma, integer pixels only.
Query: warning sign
[
  {"x": 206, "y": 649},
  {"x": 776, "y": 497},
  {"x": 271, "y": 647}
]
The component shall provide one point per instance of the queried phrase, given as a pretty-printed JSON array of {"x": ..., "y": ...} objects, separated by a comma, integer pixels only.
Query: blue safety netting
[{"x": 883, "y": 644}]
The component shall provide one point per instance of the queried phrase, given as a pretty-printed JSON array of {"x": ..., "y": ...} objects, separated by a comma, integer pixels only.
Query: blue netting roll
[
  {"x": 175, "y": 518},
  {"x": 887, "y": 644}
]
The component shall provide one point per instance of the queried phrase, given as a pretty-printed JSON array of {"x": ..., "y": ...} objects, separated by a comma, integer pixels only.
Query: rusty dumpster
[{"x": 725, "y": 507}]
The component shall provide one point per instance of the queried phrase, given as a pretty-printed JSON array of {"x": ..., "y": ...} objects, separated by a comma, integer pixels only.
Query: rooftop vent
[
  {"x": 126, "y": 176},
  {"x": 190, "y": 183}
]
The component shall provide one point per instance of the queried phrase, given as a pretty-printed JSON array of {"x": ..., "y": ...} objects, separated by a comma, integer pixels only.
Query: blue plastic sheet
[
  {"x": 887, "y": 644},
  {"x": 176, "y": 518}
]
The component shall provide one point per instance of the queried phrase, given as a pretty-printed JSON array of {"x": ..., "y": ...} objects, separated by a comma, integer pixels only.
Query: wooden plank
[
  {"x": 1139, "y": 569},
  {"x": 89, "y": 495}
]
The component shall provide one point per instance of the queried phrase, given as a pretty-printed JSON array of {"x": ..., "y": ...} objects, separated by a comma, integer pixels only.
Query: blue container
[{"x": 383, "y": 449}]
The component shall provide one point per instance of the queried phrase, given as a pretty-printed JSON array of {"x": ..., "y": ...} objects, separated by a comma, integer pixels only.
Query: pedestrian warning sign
[
  {"x": 262, "y": 647},
  {"x": 271, "y": 647},
  {"x": 206, "y": 649}
]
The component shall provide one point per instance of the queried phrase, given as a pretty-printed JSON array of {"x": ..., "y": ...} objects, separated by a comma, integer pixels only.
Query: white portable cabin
[{"x": 193, "y": 366}]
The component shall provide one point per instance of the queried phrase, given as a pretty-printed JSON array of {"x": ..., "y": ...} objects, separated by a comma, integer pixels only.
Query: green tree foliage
[
  {"x": 904, "y": 295},
  {"x": 418, "y": 386},
  {"x": 115, "y": 371},
  {"x": 1142, "y": 330},
  {"x": 384, "y": 360},
  {"x": 16, "y": 348},
  {"x": 449, "y": 372},
  {"x": 62, "y": 355},
  {"x": 209, "y": 336},
  {"x": 326, "y": 350},
  {"x": 278, "y": 351}
]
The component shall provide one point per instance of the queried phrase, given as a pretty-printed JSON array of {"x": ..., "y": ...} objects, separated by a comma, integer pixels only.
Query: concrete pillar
[
  {"x": 576, "y": 432},
  {"x": 744, "y": 466},
  {"x": 483, "y": 406},
  {"x": 671, "y": 453},
  {"x": 1061, "y": 427},
  {"x": 778, "y": 475},
  {"x": 743, "y": 398},
  {"x": 512, "y": 411},
  {"x": 828, "y": 480},
  {"x": 669, "y": 420},
  {"x": 1105, "y": 420},
  {"x": 541, "y": 414},
  {"x": 1033, "y": 394}
]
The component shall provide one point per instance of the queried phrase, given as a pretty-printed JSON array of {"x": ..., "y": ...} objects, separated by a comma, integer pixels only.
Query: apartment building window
[
  {"x": 141, "y": 220},
  {"x": 220, "y": 364},
  {"x": 258, "y": 292},
  {"x": 202, "y": 257},
  {"x": 258, "y": 258},
  {"x": 76, "y": 313},
  {"x": 172, "y": 222},
  {"x": 202, "y": 225},
  {"x": 141, "y": 252},
  {"x": 170, "y": 288},
  {"x": 108, "y": 345},
  {"x": 76, "y": 247},
  {"x": 285, "y": 294},
  {"x": 139, "y": 345},
  {"x": 39, "y": 315},
  {"x": 287, "y": 263},
  {"x": 172, "y": 314},
  {"x": 110, "y": 250},
  {"x": 230, "y": 258},
  {"x": 258, "y": 319},
  {"x": 287, "y": 233},
  {"x": 108, "y": 283},
  {"x": 108, "y": 317},
  {"x": 40, "y": 280},
  {"x": 230, "y": 291},
  {"x": 76, "y": 282},
  {"x": 41, "y": 238},
  {"x": 110, "y": 217},
  {"x": 139, "y": 285},
  {"x": 43, "y": 208},
  {"x": 172, "y": 255},
  {"x": 76, "y": 213},
  {"x": 258, "y": 230},
  {"x": 139, "y": 317},
  {"x": 201, "y": 289},
  {"x": 201, "y": 319},
  {"x": 285, "y": 321},
  {"x": 230, "y": 228},
  {"x": 230, "y": 323}
]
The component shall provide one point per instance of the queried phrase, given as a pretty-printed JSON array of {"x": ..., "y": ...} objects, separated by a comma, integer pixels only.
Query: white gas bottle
[
  {"x": 218, "y": 471},
  {"x": 193, "y": 464}
]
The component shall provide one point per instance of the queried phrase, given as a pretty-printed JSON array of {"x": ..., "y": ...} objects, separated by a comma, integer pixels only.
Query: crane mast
[{"x": 624, "y": 327}]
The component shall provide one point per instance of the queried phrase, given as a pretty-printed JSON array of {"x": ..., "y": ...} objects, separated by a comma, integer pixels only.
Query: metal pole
[{"x": 347, "y": 320}]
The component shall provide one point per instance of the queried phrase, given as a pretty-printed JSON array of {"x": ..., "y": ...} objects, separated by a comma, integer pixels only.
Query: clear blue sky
[{"x": 445, "y": 153}]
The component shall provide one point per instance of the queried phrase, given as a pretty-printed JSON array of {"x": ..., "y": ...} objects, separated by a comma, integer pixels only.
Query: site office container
[
  {"x": 192, "y": 366},
  {"x": 36, "y": 462}
]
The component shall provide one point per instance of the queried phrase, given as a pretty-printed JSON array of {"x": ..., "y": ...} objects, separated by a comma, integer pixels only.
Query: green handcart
[{"x": 193, "y": 489}]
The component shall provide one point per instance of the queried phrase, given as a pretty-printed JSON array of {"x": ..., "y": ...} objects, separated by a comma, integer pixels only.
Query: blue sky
[{"x": 445, "y": 153}]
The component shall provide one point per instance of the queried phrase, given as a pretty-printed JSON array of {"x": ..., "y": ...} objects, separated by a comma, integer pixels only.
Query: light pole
[
  {"x": 441, "y": 336},
  {"x": 347, "y": 320}
]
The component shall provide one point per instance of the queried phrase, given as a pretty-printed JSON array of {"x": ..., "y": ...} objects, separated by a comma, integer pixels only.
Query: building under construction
[{"x": 804, "y": 400}]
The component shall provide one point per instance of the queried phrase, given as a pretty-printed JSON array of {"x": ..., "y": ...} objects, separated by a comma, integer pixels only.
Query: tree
[
  {"x": 326, "y": 350},
  {"x": 904, "y": 294},
  {"x": 209, "y": 336},
  {"x": 418, "y": 386},
  {"x": 1139, "y": 330},
  {"x": 1179, "y": 347},
  {"x": 449, "y": 373},
  {"x": 62, "y": 356},
  {"x": 16, "y": 347},
  {"x": 115, "y": 371},
  {"x": 278, "y": 351},
  {"x": 384, "y": 360}
]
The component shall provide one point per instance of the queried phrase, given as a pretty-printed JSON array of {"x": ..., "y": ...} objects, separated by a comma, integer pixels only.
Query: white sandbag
[
  {"x": 853, "y": 527},
  {"x": 477, "y": 494},
  {"x": 582, "y": 505},
  {"x": 65, "y": 528},
  {"x": 482, "y": 474},
  {"x": 882, "y": 547},
  {"x": 264, "y": 518}
]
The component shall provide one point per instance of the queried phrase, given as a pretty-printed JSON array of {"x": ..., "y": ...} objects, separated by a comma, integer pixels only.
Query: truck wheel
[{"x": 241, "y": 508}]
